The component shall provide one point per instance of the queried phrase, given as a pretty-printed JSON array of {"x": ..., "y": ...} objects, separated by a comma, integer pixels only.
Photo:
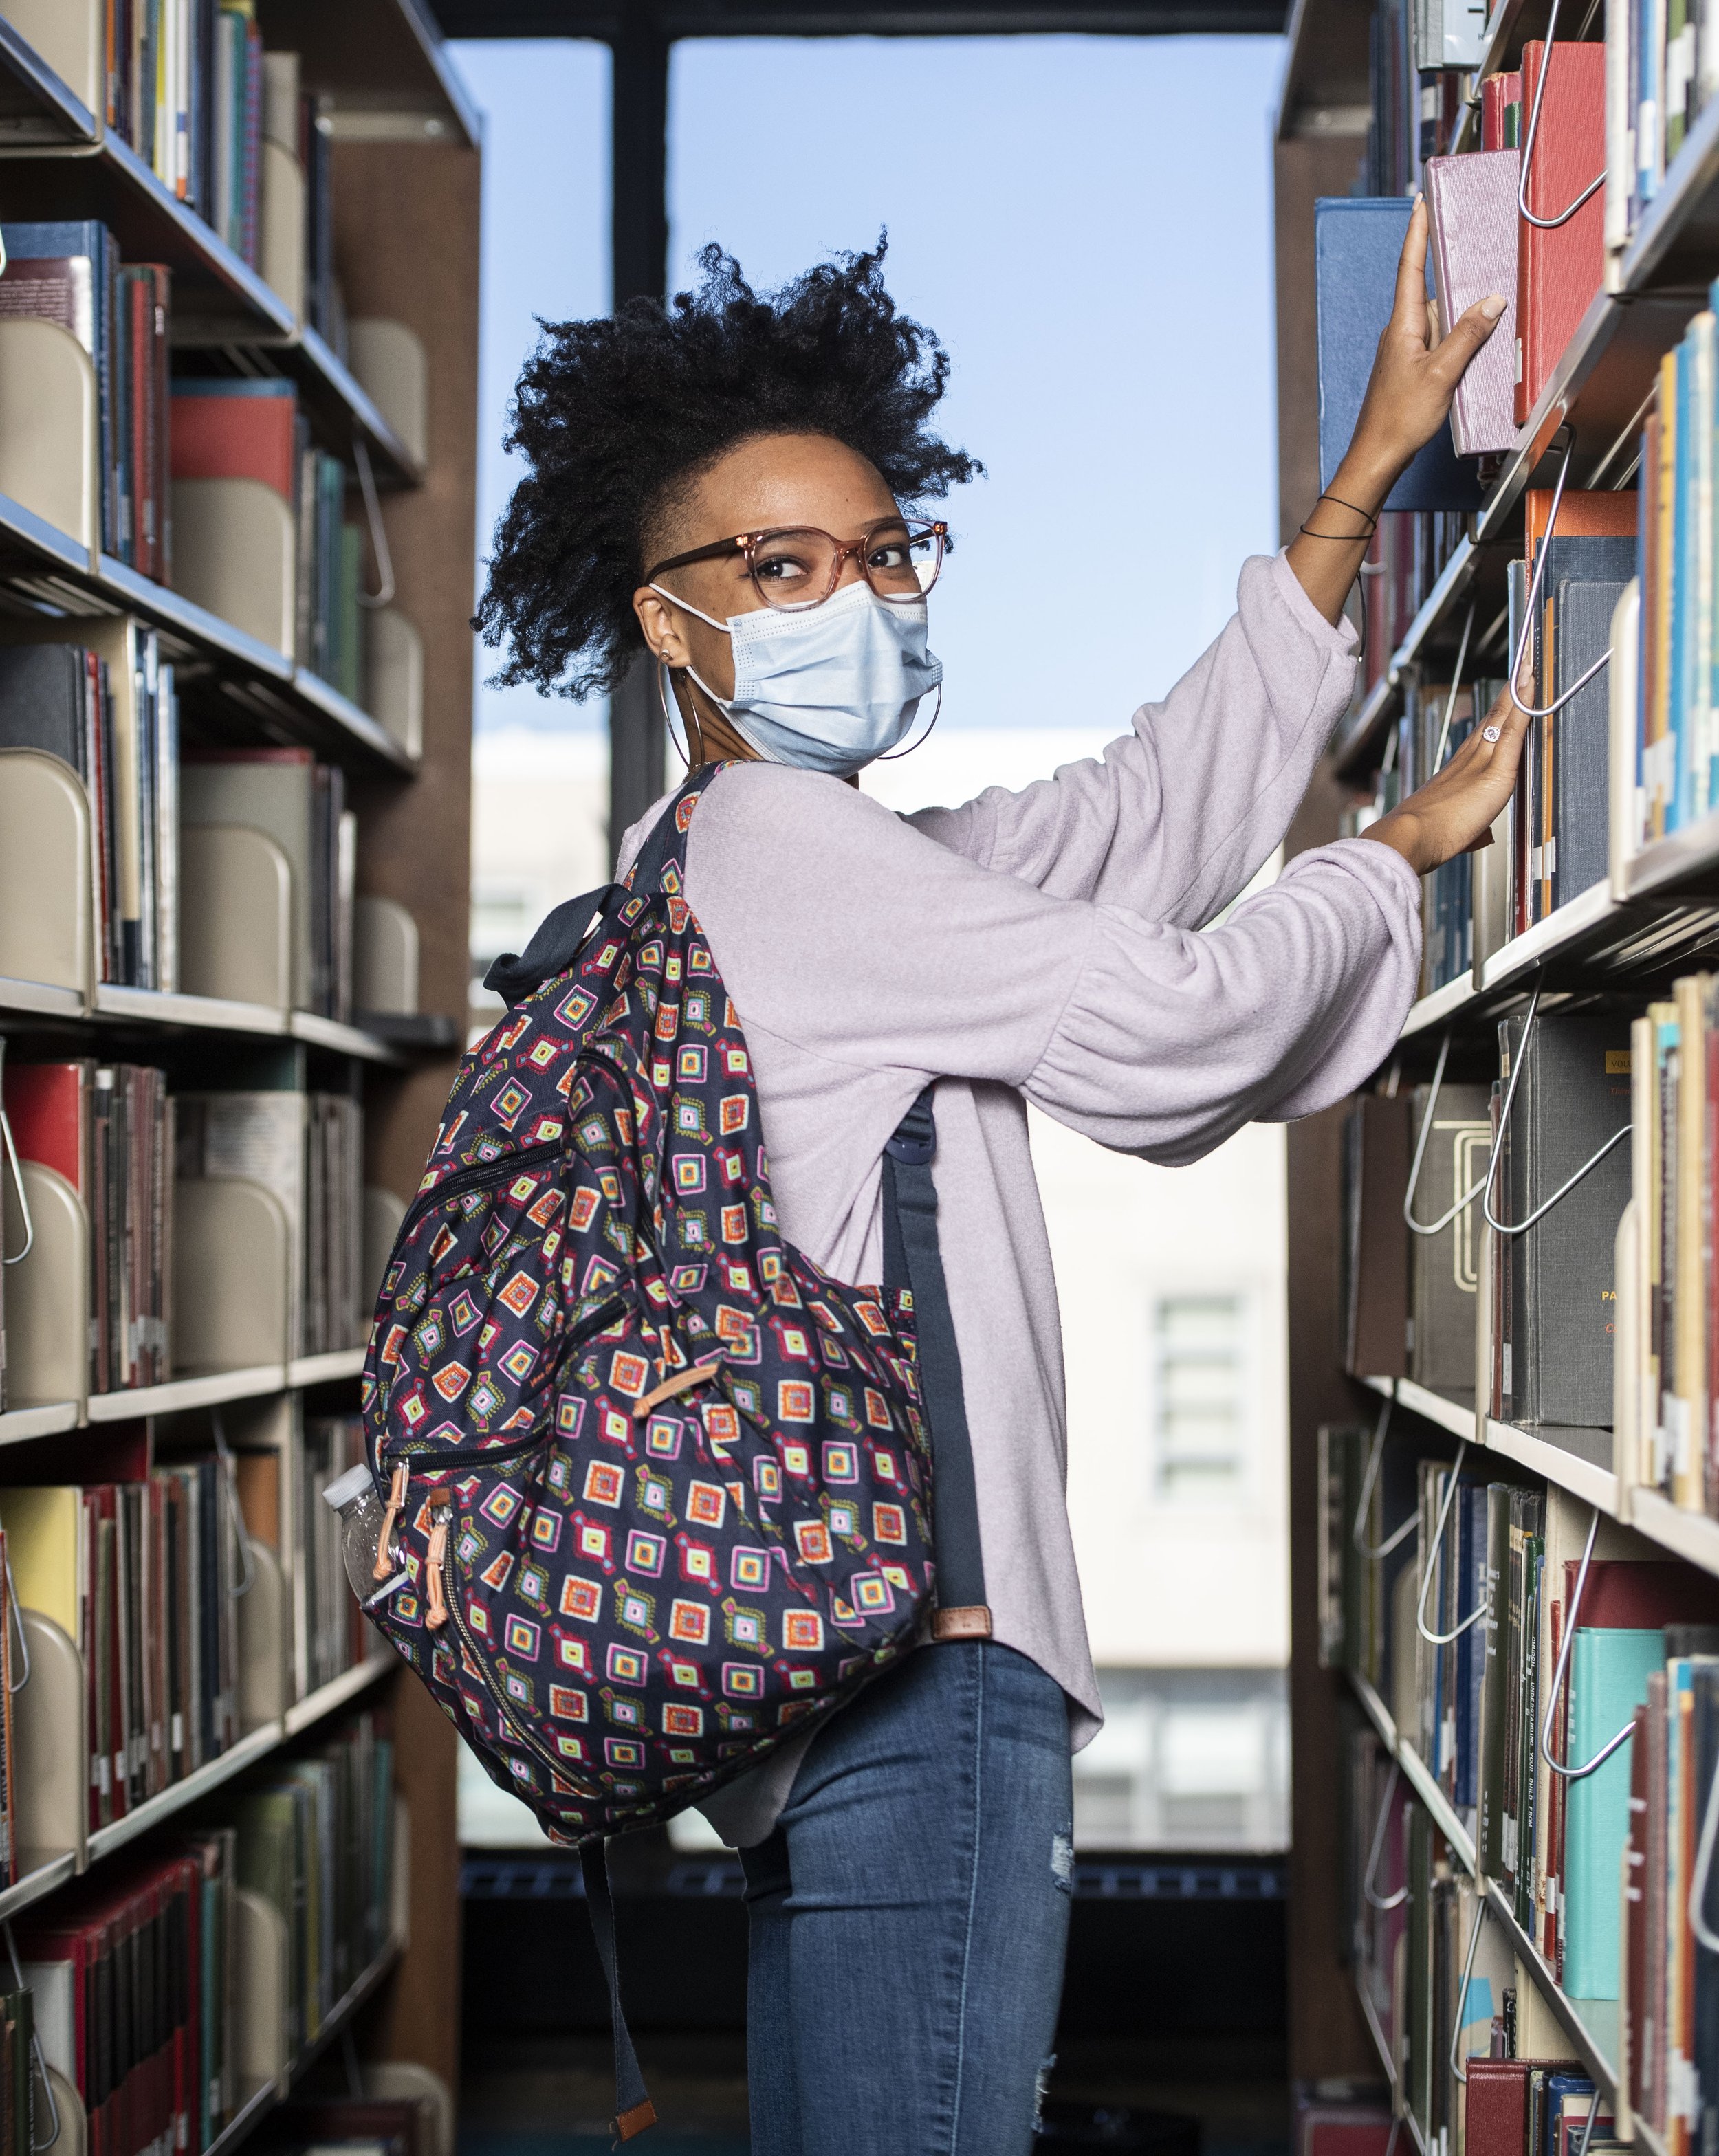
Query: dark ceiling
[{"x": 842, "y": 19}]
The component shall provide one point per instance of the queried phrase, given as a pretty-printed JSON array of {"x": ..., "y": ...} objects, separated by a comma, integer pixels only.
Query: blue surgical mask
[{"x": 829, "y": 689}]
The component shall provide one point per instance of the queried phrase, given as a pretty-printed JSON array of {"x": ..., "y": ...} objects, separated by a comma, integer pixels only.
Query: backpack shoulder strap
[
  {"x": 912, "y": 1259},
  {"x": 561, "y": 935}
]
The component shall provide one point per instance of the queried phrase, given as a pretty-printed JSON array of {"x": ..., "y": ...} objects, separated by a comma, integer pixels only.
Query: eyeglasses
[{"x": 797, "y": 568}]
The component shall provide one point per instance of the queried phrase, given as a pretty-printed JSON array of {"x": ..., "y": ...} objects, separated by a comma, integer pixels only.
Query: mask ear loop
[
  {"x": 677, "y": 733},
  {"x": 896, "y": 755}
]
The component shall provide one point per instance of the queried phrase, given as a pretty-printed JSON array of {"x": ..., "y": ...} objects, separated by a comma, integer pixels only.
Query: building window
[{"x": 1200, "y": 1383}]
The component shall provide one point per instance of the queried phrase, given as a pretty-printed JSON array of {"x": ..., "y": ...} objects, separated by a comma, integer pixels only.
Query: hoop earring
[
  {"x": 677, "y": 735},
  {"x": 896, "y": 755}
]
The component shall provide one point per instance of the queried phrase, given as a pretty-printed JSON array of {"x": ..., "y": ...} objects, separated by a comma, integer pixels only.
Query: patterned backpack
[{"x": 658, "y": 1488}]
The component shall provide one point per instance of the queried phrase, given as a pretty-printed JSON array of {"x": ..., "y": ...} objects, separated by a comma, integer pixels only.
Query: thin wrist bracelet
[{"x": 1345, "y": 538}]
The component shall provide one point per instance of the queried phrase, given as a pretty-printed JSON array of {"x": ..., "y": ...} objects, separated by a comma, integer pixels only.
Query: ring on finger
[{"x": 1491, "y": 733}]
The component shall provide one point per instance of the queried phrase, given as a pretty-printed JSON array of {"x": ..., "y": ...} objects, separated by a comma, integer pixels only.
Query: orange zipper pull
[
  {"x": 437, "y": 1614},
  {"x": 384, "y": 1563}
]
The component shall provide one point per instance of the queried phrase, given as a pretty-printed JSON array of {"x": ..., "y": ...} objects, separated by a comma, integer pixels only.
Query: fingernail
[{"x": 1492, "y": 306}]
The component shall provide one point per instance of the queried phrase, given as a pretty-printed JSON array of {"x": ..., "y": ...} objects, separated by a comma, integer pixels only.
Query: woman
[{"x": 733, "y": 485}]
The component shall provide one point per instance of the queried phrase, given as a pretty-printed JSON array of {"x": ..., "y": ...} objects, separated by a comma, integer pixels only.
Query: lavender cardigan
[{"x": 1045, "y": 946}]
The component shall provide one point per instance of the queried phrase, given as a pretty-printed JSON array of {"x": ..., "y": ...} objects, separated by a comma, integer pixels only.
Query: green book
[
  {"x": 1533, "y": 1770},
  {"x": 1608, "y": 1679},
  {"x": 1494, "y": 1684}
]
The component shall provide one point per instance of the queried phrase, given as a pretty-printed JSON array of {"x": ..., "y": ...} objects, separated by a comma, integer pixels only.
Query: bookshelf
[
  {"x": 1383, "y": 1715},
  {"x": 395, "y": 143}
]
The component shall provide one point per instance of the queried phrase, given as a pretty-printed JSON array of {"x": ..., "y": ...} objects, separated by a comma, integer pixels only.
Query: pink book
[{"x": 1471, "y": 204}]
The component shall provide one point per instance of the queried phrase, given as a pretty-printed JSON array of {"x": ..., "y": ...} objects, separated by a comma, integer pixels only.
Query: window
[{"x": 1200, "y": 1359}]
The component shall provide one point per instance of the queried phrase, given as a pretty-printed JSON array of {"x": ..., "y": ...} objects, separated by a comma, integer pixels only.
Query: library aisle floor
[{"x": 1173, "y": 2025}]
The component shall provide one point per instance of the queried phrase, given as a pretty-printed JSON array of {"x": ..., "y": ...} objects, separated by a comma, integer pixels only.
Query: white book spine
[{"x": 1618, "y": 177}]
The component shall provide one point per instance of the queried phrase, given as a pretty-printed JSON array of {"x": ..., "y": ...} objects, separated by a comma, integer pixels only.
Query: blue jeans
[{"x": 909, "y": 1917}]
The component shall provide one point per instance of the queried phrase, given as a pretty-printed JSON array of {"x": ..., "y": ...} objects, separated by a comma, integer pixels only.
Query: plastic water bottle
[{"x": 367, "y": 1527}]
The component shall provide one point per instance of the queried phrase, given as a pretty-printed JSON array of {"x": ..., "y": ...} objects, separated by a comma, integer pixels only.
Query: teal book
[
  {"x": 1607, "y": 1680},
  {"x": 1682, "y": 543},
  {"x": 1698, "y": 641}
]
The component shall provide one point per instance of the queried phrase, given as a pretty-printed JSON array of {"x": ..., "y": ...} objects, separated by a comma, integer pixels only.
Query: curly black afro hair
[{"x": 617, "y": 417}]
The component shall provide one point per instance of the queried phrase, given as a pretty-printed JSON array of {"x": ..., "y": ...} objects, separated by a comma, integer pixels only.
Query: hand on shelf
[
  {"x": 1454, "y": 812},
  {"x": 1414, "y": 376}
]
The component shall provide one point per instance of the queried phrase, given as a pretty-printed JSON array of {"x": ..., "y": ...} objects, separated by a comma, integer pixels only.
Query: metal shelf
[
  {"x": 150, "y": 1007},
  {"x": 261, "y": 2098},
  {"x": 1686, "y": 859},
  {"x": 36, "y": 107},
  {"x": 53, "y": 1872},
  {"x": 1592, "y": 2025},
  {"x": 1441, "y": 1006},
  {"x": 1692, "y": 1536},
  {"x": 74, "y": 167},
  {"x": 324, "y": 1369},
  {"x": 257, "y": 1744},
  {"x": 18, "y": 1425},
  {"x": 179, "y": 1393},
  {"x": 263, "y": 683},
  {"x": 328, "y": 1699},
  {"x": 1581, "y": 920},
  {"x": 388, "y": 79},
  {"x": 176, "y": 1395},
  {"x": 1599, "y": 387}
]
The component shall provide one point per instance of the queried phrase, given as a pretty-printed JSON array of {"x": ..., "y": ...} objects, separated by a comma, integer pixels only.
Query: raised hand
[
  {"x": 1454, "y": 812},
  {"x": 1414, "y": 376},
  {"x": 1415, "y": 371}
]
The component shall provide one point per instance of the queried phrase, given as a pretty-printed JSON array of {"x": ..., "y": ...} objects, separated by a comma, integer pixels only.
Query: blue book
[
  {"x": 1471, "y": 1647},
  {"x": 230, "y": 385},
  {"x": 66, "y": 241},
  {"x": 1608, "y": 1678},
  {"x": 1569, "y": 2098},
  {"x": 1357, "y": 240},
  {"x": 1583, "y": 576},
  {"x": 1683, "y": 599}
]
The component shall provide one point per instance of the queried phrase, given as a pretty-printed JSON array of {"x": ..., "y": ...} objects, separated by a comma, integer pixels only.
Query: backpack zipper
[
  {"x": 455, "y": 1455},
  {"x": 479, "y": 1174},
  {"x": 444, "y": 1603}
]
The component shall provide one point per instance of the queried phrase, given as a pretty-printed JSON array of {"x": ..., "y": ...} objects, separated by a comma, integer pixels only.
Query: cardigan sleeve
[
  {"x": 839, "y": 927},
  {"x": 1176, "y": 816}
]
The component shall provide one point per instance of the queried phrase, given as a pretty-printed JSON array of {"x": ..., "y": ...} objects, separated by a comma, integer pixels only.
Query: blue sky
[{"x": 1085, "y": 222}]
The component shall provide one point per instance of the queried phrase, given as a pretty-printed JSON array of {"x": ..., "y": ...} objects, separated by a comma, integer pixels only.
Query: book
[
  {"x": 1356, "y": 243},
  {"x": 1559, "y": 271},
  {"x": 107, "y": 1129},
  {"x": 1571, "y": 1096},
  {"x": 129, "y": 763},
  {"x": 236, "y": 428},
  {"x": 182, "y": 88},
  {"x": 1444, "y": 1268},
  {"x": 1581, "y": 792},
  {"x": 64, "y": 272},
  {"x": 1608, "y": 1671},
  {"x": 1471, "y": 241},
  {"x": 1376, "y": 1145}
]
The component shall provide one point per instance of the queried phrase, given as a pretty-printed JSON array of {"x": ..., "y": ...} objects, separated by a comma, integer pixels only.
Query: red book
[
  {"x": 234, "y": 430},
  {"x": 1640, "y": 1595},
  {"x": 1581, "y": 515},
  {"x": 1497, "y": 2104},
  {"x": 1559, "y": 272},
  {"x": 1498, "y": 93},
  {"x": 49, "y": 1105}
]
